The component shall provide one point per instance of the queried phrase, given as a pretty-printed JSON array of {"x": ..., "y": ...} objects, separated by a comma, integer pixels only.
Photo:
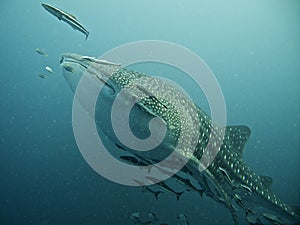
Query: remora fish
[
  {"x": 142, "y": 219},
  {"x": 228, "y": 180},
  {"x": 66, "y": 17},
  {"x": 41, "y": 52}
]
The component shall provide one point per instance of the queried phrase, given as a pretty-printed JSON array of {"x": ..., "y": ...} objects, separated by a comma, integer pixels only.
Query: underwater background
[{"x": 253, "y": 48}]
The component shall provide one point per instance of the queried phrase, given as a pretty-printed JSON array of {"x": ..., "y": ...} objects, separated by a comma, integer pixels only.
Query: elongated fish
[
  {"x": 41, "y": 52},
  {"x": 138, "y": 218},
  {"x": 227, "y": 180},
  {"x": 42, "y": 75},
  {"x": 66, "y": 17}
]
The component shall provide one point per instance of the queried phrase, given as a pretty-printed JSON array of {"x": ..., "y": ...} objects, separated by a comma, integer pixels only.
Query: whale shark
[{"x": 227, "y": 179}]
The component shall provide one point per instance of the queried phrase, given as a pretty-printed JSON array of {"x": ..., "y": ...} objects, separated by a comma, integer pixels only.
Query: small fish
[
  {"x": 136, "y": 218},
  {"x": 182, "y": 219},
  {"x": 274, "y": 219},
  {"x": 68, "y": 68},
  {"x": 149, "y": 219},
  {"x": 155, "y": 193},
  {"x": 246, "y": 188},
  {"x": 66, "y": 17},
  {"x": 41, "y": 52},
  {"x": 166, "y": 187},
  {"x": 148, "y": 188},
  {"x": 42, "y": 76},
  {"x": 224, "y": 172},
  {"x": 135, "y": 215},
  {"x": 49, "y": 69}
]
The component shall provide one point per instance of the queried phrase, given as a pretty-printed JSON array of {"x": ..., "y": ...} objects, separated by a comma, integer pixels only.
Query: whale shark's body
[{"x": 228, "y": 180}]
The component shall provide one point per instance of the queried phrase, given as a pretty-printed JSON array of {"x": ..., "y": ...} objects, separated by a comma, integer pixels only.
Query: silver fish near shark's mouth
[{"x": 228, "y": 180}]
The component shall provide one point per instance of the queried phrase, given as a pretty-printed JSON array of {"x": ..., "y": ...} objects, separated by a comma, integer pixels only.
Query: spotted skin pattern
[{"x": 227, "y": 179}]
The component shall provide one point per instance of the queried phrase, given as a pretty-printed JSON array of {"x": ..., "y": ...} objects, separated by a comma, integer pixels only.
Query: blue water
[{"x": 252, "y": 47}]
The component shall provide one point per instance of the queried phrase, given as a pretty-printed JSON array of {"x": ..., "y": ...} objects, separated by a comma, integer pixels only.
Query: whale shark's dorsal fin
[
  {"x": 236, "y": 137},
  {"x": 267, "y": 181}
]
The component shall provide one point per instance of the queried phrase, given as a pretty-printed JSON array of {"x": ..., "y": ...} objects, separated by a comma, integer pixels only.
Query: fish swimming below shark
[
  {"x": 138, "y": 218},
  {"x": 227, "y": 180}
]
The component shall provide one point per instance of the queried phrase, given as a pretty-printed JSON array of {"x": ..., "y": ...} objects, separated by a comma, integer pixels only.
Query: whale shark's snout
[{"x": 75, "y": 66}]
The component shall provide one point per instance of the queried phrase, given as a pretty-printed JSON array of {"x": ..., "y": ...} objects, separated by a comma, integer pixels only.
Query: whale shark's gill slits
[
  {"x": 158, "y": 101},
  {"x": 151, "y": 95}
]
